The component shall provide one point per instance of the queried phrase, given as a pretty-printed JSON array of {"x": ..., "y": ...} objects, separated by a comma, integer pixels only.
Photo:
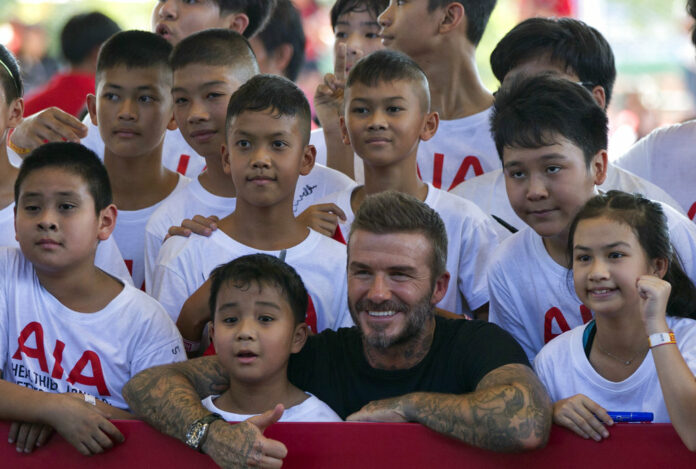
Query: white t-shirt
[
  {"x": 184, "y": 264},
  {"x": 532, "y": 297},
  {"x": 460, "y": 150},
  {"x": 565, "y": 370},
  {"x": 46, "y": 346},
  {"x": 667, "y": 157},
  {"x": 310, "y": 410},
  {"x": 191, "y": 200},
  {"x": 108, "y": 257},
  {"x": 489, "y": 192},
  {"x": 130, "y": 235},
  {"x": 177, "y": 155},
  {"x": 471, "y": 237}
]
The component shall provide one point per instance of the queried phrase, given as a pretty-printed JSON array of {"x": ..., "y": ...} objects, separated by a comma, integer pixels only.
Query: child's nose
[
  {"x": 168, "y": 9},
  {"x": 128, "y": 110},
  {"x": 198, "y": 112},
  {"x": 378, "y": 121},
  {"x": 384, "y": 19},
  {"x": 536, "y": 190},
  {"x": 47, "y": 221}
]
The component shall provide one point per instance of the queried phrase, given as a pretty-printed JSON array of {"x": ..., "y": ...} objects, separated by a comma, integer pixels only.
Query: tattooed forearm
[
  {"x": 509, "y": 411},
  {"x": 169, "y": 397}
]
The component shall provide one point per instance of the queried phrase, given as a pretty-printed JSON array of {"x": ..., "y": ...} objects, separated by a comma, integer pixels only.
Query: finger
[
  {"x": 102, "y": 440},
  {"x": 92, "y": 445},
  {"x": 322, "y": 92},
  {"x": 22, "y": 436},
  {"x": 110, "y": 429},
  {"x": 12, "y": 436},
  {"x": 46, "y": 432},
  {"x": 338, "y": 211},
  {"x": 590, "y": 425},
  {"x": 72, "y": 122},
  {"x": 270, "y": 463},
  {"x": 32, "y": 437},
  {"x": 572, "y": 426},
  {"x": 268, "y": 418},
  {"x": 178, "y": 231},
  {"x": 274, "y": 449},
  {"x": 340, "y": 64}
]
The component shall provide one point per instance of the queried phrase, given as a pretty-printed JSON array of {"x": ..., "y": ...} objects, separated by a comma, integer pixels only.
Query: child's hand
[
  {"x": 654, "y": 294},
  {"x": 82, "y": 424},
  {"x": 49, "y": 125},
  {"x": 322, "y": 218},
  {"x": 200, "y": 225},
  {"x": 328, "y": 97},
  {"x": 583, "y": 416},
  {"x": 28, "y": 436}
]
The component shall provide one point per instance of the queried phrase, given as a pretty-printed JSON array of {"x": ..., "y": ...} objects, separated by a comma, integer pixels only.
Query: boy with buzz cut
[
  {"x": 257, "y": 310},
  {"x": 208, "y": 67},
  {"x": 387, "y": 114},
  {"x": 266, "y": 150},
  {"x": 66, "y": 326},
  {"x": 552, "y": 136},
  {"x": 133, "y": 109},
  {"x": 572, "y": 50}
]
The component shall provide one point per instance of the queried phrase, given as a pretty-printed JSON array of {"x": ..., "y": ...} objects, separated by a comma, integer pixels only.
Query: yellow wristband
[{"x": 16, "y": 149}]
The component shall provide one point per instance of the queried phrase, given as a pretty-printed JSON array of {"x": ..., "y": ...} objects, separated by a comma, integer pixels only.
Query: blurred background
[{"x": 656, "y": 63}]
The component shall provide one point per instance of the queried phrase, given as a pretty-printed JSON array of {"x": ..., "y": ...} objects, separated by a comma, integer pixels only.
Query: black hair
[
  {"x": 395, "y": 212},
  {"x": 691, "y": 10},
  {"x": 573, "y": 45},
  {"x": 222, "y": 47},
  {"x": 341, "y": 7},
  {"x": 533, "y": 112},
  {"x": 271, "y": 92},
  {"x": 285, "y": 27},
  {"x": 649, "y": 223},
  {"x": 385, "y": 66},
  {"x": 74, "y": 158},
  {"x": 84, "y": 33},
  {"x": 261, "y": 270},
  {"x": 134, "y": 49},
  {"x": 478, "y": 12},
  {"x": 258, "y": 12},
  {"x": 10, "y": 79}
]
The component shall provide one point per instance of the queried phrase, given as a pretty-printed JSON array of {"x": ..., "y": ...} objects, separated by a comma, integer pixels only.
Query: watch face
[{"x": 195, "y": 434}]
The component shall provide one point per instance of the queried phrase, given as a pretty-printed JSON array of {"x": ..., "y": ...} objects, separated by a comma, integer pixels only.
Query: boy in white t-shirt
[
  {"x": 267, "y": 134},
  {"x": 387, "y": 115},
  {"x": 257, "y": 307},
  {"x": 133, "y": 108},
  {"x": 66, "y": 326},
  {"x": 552, "y": 136}
]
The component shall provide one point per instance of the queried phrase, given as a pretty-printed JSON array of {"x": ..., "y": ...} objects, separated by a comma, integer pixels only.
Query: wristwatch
[{"x": 198, "y": 430}]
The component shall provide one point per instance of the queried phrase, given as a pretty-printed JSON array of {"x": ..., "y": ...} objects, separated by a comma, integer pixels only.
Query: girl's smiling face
[{"x": 607, "y": 262}]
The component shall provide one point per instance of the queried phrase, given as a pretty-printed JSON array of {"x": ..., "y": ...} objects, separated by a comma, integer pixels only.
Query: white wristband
[
  {"x": 89, "y": 399},
  {"x": 661, "y": 338}
]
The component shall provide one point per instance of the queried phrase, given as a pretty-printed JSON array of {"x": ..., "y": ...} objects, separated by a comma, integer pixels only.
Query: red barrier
[{"x": 374, "y": 445}]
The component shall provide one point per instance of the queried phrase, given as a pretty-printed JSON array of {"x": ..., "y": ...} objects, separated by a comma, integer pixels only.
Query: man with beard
[{"x": 466, "y": 379}]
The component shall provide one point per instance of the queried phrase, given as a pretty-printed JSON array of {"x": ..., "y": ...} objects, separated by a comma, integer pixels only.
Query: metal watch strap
[{"x": 197, "y": 431}]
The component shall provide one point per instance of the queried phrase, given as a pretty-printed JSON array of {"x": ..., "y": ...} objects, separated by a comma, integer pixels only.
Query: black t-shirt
[{"x": 333, "y": 367}]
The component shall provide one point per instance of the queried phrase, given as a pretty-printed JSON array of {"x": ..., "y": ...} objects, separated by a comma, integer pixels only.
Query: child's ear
[
  {"x": 237, "y": 22},
  {"x": 344, "y": 130},
  {"x": 600, "y": 96},
  {"x": 308, "y": 158},
  {"x": 454, "y": 15},
  {"x": 92, "y": 108},
  {"x": 225, "y": 156},
  {"x": 430, "y": 125},
  {"x": 107, "y": 222},
  {"x": 299, "y": 337},
  {"x": 659, "y": 267},
  {"x": 598, "y": 166},
  {"x": 172, "y": 123},
  {"x": 282, "y": 56},
  {"x": 16, "y": 113}
]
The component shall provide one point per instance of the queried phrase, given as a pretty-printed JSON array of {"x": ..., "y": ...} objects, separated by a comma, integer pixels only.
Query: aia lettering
[
  {"x": 469, "y": 162},
  {"x": 556, "y": 314}
]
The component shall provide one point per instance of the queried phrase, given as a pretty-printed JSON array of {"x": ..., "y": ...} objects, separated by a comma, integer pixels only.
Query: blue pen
[{"x": 643, "y": 417}]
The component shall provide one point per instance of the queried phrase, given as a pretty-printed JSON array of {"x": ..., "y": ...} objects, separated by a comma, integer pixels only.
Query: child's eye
[
  {"x": 516, "y": 174},
  {"x": 180, "y": 101},
  {"x": 147, "y": 99},
  {"x": 582, "y": 258},
  {"x": 616, "y": 255},
  {"x": 214, "y": 95},
  {"x": 266, "y": 318},
  {"x": 341, "y": 35},
  {"x": 110, "y": 96},
  {"x": 278, "y": 144},
  {"x": 243, "y": 143},
  {"x": 553, "y": 169},
  {"x": 66, "y": 206},
  {"x": 359, "y": 110},
  {"x": 393, "y": 109},
  {"x": 31, "y": 208},
  {"x": 229, "y": 320},
  {"x": 372, "y": 35}
]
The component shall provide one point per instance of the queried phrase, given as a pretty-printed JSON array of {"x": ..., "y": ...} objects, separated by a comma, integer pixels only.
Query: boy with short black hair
[
  {"x": 267, "y": 135},
  {"x": 66, "y": 326},
  {"x": 387, "y": 114},
  {"x": 573, "y": 50},
  {"x": 552, "y": 136},
  {"x": 208, "y": 67},
  {"x": 280, "y": 46},
  {"x": 257, "y": 310},
  {"x": 133, "y": 109}
]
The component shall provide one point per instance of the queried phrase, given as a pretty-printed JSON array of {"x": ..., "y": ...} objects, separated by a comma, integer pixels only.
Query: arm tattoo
[
  {"x": 509, "y": 411},
  {"x": 168, "y": 397}
]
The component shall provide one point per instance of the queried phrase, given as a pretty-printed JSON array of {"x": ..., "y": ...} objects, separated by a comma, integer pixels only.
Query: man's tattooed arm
[
  {"x": 509, "y": 411},
  {"x": 168, "y": 397}
]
